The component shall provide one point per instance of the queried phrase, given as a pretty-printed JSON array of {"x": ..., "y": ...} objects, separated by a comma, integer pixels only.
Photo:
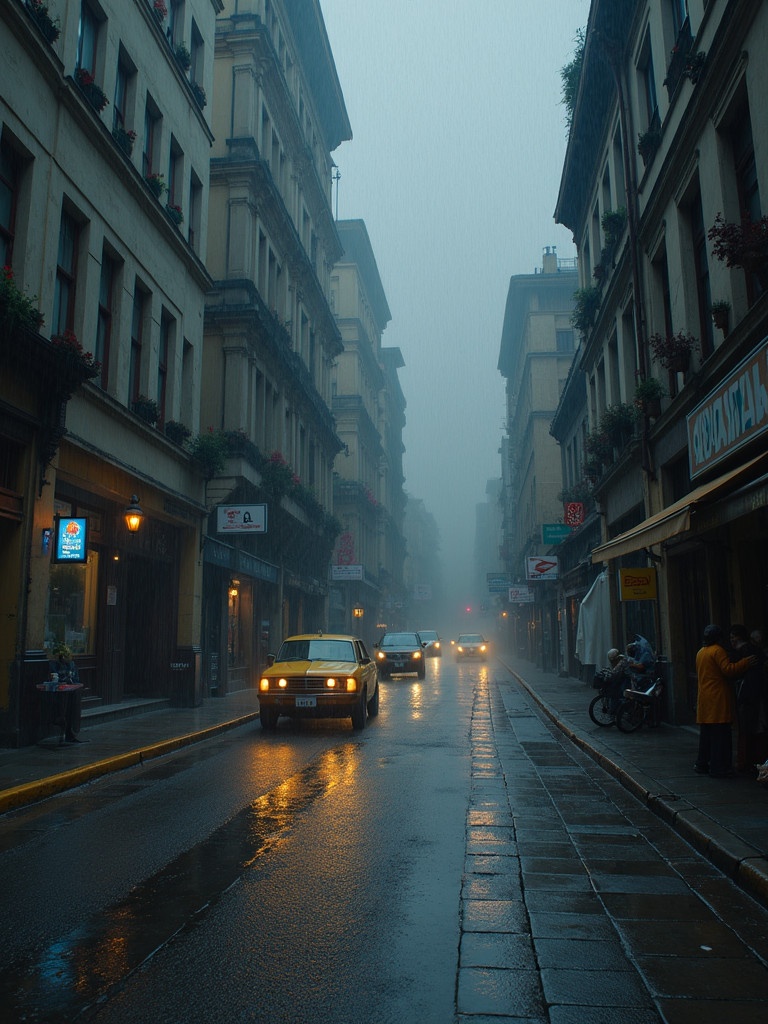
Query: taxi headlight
[
  {"x": 264, "y": 685},
  {"x": 282, "y": 683},
  {"x": 330, "y": 683},
  {"x": 351, "y": 684},
  {"x": 482, "y": 647}
]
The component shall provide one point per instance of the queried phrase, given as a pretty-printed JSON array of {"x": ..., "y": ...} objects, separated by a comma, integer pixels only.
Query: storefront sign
[
  {"x": 637, "y": 584},
  {"x": 537, "y": 568},
  {"x": 241, "y": 519},
  {"x": 731, "y": 415},
  {"x": 520, "y": 595},
  {"x": 346, "y": 572},
  {"x": 554, "y": 533},
  {"x": 498, "y": 582},
  {"x": 71, "y": 540}
]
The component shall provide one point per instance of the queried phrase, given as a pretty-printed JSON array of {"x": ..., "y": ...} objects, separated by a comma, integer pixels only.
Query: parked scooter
[{"x": 609, "y": 681}]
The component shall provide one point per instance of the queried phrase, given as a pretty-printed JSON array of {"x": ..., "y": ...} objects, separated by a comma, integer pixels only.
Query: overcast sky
[{"x": 458, "y": 144}]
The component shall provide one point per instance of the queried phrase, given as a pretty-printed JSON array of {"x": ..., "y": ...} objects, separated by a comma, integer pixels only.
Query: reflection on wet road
[{"x": 81, "y": 967}]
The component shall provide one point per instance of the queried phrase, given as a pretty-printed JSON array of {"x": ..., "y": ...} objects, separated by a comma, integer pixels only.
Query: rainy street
[{"x": 459, "y": 859}]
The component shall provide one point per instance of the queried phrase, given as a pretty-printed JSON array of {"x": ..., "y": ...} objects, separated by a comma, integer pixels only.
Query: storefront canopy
[{"x": 676, "y": 518}]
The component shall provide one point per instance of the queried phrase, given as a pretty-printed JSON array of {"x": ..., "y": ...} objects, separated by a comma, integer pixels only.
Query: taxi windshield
[{"x": 317, "y": 650}]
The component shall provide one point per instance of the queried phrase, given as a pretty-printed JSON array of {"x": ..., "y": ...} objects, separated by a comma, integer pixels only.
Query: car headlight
[
  {"x": 330, "y": 683},
  {"x": 482, "y": 647},
  {"x": 380, "y": 655},
  {"x": 416, "y": 655},
  {"x": 460, "y": 649},
  {"x": 282, "y": 683},
  {"x": 437, "y": 645}
]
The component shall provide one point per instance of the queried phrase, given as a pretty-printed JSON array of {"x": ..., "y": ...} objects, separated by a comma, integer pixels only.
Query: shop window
[{"x": 70, "y": 614}]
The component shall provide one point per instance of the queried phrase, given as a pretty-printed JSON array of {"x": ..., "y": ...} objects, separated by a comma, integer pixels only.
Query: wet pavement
[{"x": 605, "y": 891}]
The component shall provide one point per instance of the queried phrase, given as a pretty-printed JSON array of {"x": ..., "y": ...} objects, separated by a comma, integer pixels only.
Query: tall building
[
  {"x": 537, "y": 346},
  {"x": 360, "y": 574},
  {"x": 664, "y": 187},
  {"x": 270, "y": 335},
  {"x": 104, "y": 150}
]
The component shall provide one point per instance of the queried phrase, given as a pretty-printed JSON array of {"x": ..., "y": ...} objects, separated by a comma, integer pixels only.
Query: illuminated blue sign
[{"x": 71, "y": 540}]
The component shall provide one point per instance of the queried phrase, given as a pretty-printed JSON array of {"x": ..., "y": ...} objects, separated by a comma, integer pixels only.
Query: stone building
[
  {"x": 270, "y": 334},
  {"x": 104, "y": 150},
  {"x": 664, "y": 187},
  {"x": 365, "y": 567},
  {"x": 537, "y": 346}
]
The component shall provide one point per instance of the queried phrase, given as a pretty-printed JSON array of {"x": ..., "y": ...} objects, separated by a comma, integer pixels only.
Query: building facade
[
  {"x": 104, "y": 145},
  {"x": 270, "y": 334},
  {"x": 537, "y": 347},
  {"x": 664, "y": 187}
]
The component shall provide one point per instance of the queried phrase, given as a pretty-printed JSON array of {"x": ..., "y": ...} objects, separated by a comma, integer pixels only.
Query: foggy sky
[{"x": 458, "y": 144}]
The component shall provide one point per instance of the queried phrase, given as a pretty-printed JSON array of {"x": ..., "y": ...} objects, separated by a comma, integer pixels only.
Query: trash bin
[{"x": 186, "y": 678}]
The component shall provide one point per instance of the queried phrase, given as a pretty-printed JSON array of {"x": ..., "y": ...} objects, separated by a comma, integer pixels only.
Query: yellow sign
[{"x": 637, "y": 584}]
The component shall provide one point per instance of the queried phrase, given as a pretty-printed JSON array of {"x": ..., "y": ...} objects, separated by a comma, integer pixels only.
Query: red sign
[{"x": 574, "y": 513}]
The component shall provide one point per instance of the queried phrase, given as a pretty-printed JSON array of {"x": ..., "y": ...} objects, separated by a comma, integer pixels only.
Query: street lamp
[
  {"x": 358, "y": 612},
  {"x": 133, "y": 515}
]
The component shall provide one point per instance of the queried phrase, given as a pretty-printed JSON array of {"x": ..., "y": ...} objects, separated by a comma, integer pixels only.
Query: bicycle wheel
[
  {"x": 630, "y": 715},
  {"x": 601, "y": 710}
]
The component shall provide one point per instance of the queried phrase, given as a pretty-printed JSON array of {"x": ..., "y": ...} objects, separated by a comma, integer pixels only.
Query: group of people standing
[{"x": 732, "y": 686}]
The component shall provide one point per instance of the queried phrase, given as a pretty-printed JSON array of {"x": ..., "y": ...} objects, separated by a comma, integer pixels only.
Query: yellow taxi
[{"x": 319, "y": 675}]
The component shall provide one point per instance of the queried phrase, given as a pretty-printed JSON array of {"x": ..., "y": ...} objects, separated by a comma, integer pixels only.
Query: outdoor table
[{"x": 60, "y": 707}]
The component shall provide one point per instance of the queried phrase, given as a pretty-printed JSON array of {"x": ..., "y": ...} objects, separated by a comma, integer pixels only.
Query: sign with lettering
[
  {"x": 520, "y": 595},
  {"x": 637, "y": 584},
  {"x": 732, "y": 414},
  {"x": 346, "y": 572},
  {"x": 71, "y": 540},
  {"x": 539, "y": 568},
  {"x": 498, "y": 582},
  {"x": 241, "y": 519},
  {"x": 554, "y": 533}
]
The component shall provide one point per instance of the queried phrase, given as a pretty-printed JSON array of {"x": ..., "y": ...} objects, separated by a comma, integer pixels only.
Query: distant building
[{"x": 537, "y": 347}]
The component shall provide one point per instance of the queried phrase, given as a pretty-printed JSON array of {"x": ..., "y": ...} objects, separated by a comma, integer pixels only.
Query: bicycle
[{"x": 602, "y": 708}]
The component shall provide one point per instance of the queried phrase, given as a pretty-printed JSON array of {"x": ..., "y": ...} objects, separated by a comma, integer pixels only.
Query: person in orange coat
[{"x": 714, "y": 704}]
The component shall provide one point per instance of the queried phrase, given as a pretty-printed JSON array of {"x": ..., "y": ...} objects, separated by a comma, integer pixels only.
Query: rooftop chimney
[{"x": 549, "y": 261}]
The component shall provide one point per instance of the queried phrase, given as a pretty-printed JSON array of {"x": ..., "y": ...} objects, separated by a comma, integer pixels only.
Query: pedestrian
[
  {"x": 751, "y": 701},
  {"x": 714, "y": 703},
  {"x": 641, "y": 661}
]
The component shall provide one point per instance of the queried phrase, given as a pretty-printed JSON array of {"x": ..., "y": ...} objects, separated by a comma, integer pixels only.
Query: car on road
[
  {"x": 472, "y": 645},
  {"x": 432, "y": 640},
  {"x": 398, "y": 653},
  {"x": 319, "y": 675}
]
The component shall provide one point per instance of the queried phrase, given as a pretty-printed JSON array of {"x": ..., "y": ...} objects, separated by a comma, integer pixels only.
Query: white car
[{"x": 472, "y": 645}]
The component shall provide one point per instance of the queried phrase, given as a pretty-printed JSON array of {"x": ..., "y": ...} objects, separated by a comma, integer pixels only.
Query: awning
[{"x": 675, "y": 518}]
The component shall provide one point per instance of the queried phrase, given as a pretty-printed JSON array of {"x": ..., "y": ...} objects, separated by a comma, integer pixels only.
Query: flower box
[
  {"x": 742, "y": 245},
  {"x": 648, "y": 142},
  {"x": 92, "y": 92},
  {"x": 124, "y": 139},
  {"x": 146, "y": 409},
  {"x": 199, "y": 93},
  {"x": 174, "y": 212},
  {"x": 673, "y": 351},
  {"x": 183, "y": 57},
  {"x": 49, "y": 27},
  {"x": 156, "y": 184}
]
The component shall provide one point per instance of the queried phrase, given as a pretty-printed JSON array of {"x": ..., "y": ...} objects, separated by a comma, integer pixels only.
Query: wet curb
[
  {"x": 731, "y": 855},
  {"x": 31, "y": 792}
]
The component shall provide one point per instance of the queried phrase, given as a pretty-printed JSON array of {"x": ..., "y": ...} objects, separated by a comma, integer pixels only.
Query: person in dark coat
[
  {"x": 714, "y": 704},
  {"x": 751, "y": 738}
]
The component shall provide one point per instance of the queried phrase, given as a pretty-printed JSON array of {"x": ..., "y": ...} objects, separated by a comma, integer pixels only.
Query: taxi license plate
[{"x": 306, "y": 702}]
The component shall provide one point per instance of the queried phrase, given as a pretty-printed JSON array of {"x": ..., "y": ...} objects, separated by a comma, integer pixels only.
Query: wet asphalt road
[{"x": 459, "y": 860}]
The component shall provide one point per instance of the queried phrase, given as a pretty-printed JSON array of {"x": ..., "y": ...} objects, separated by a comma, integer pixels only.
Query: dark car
[
  {"x": 397, "y": 653},
  {"x": 320, "y": 675},
  {"x": 432, "y": 640},
  {"x": 472, "y": 645}
]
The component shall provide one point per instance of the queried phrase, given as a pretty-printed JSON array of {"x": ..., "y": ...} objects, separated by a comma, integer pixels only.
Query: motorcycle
[{"x": 639, "y": 707}]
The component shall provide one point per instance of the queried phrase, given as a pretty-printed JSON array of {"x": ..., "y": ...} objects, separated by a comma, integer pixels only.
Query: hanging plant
[
  {"x": 673, "y": 351},
  {"x": 648, "y": 395},
  {"x": 210, "y": 450},
  {"x": 648, "y": 142},
  {"x": 146, "y": 409},
  {"x": 612, "y": 223},
  {"x": 618, "y": 423},
  {"x": 17, "y": 309},
  {"x": 721, "y": 314},
  {"x": 177, "y": 432},
  {"x": 742, "y": 245},
  {"x": 585, "y": 312}
]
